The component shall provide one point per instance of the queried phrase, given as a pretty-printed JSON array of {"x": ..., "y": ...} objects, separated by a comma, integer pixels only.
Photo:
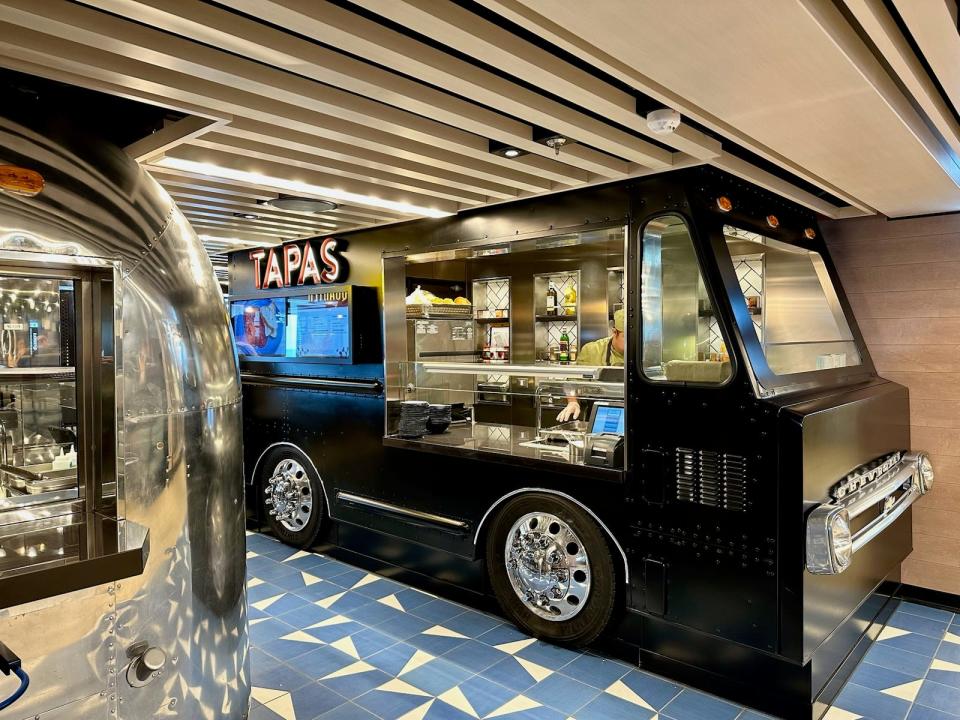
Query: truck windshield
[{"x": 793, "y": 304}]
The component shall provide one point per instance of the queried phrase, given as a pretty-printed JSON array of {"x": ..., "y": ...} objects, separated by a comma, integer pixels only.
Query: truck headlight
[
  {"x": 841, "y": 540},
  {"x": 924, "y": 472}
]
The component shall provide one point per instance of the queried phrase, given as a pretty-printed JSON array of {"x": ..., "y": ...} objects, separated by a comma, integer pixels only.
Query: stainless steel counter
[{"x": 506, "y": 444}]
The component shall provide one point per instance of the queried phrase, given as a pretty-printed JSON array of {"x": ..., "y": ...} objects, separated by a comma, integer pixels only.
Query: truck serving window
[
  {"x": 793, "y": 304},
  {"x": 681, "y": 337}
]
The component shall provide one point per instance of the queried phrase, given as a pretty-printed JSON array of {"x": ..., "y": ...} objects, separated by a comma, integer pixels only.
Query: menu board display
[{"x": 318, "y": 326}]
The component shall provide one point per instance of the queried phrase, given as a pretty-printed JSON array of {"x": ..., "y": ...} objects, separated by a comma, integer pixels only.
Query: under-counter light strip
[{"x": 296, "y": 186}]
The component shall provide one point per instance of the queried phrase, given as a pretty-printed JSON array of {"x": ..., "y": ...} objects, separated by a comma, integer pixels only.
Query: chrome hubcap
[
  {"x": 289, "y": 496},
  {"x": 548, "y": 566}
]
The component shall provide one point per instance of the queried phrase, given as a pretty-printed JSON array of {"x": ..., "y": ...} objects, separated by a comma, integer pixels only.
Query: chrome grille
[{"x": 711, "y": 478}]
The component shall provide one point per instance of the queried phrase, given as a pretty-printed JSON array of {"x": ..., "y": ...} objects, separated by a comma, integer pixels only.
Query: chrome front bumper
[{"x": 830, "y": 543}]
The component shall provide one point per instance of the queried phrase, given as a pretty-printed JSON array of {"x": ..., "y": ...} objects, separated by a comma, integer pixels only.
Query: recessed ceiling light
[
  {"x": 295, "y": 186},
  {"x": 246, "y": 216},
  {"x": 300, "y": 204},
  {"x": 507, "y": 151}
]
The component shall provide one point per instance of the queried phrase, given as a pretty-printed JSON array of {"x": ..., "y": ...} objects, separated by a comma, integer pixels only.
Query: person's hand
[{"x": 570, "y": 412}]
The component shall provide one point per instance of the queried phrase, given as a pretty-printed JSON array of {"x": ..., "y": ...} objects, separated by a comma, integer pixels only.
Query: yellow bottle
[{"x": 570, "y": 301}]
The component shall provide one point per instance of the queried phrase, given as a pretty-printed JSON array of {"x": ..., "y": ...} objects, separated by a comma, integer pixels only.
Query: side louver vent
[{"x": 711, "y": 478}]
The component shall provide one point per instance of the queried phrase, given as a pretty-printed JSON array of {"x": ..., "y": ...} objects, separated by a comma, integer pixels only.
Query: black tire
[
  {"x": 594, "y": 616},
  {"x": 304, "y": 534}
]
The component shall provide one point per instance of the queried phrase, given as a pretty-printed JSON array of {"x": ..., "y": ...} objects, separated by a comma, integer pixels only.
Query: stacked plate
[
  {"x": 413, "y": 418},
  {"x": 439, "y": 418}
]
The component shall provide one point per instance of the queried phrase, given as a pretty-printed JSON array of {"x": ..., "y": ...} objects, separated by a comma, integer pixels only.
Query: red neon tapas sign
[{"x": 296, "y": 264}]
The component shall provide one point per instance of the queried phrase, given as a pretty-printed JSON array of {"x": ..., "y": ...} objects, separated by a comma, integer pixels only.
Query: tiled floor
[{"x": 334, "y": 642}]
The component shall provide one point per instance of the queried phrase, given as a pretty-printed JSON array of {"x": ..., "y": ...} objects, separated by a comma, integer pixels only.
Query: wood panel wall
[{"x": 903, "y": 281}]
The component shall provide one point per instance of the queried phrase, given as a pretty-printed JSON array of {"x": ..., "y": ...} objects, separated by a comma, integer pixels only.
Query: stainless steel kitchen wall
[{"x": 179, "y": 450}]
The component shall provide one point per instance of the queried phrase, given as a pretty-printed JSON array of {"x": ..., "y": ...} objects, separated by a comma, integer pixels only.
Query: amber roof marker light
[
  {"x": 772, "y": 221},
  {"x": 810, "y": 233},
  {"x": 20, "y": 181},
  {"x": 724, "y": 203}
]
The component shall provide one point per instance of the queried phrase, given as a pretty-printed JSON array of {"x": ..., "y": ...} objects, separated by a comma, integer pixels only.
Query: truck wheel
[
  {"x": 551, "y": 569},
  {"x": 292, "y": 495}
]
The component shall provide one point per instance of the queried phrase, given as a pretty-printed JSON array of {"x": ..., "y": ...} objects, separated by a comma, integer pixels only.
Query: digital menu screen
[
  {"x": 259, "y": 325},
  {"x": 318, "y": 326}
]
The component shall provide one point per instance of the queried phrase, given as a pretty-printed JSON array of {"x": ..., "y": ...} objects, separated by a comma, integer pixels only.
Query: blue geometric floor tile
[
  {"x": 355, "y": 684},
  {"x": 913, "y": 642},
  {"x": 510, "y": 673},
  {"x": 949, "y": 651},
  {"x": 440, "y": 710},
  {"x": 551, "y": 656},
  {"x": 369, "y": 642},
  {"x": 262, "y": 712},
  {"x": 404, "y": 626},
  {"x": 323, "y": 661},
  {"x": 379, "y": 588},
  {"x": 437, "y": 676},
  {"x": 306, "y": 615},
  {"x": 262, "y": 591},
  {"x": 694, "y": 705},
  {"x": 598, "y": 672},
  {"x": 485, "y": 696},
  {"x": 917, "y": 624},
  {"x": 287, "y": 648},
  {"x": 308, "y": 564},
  {"x": 334, "y": 628},
  {"x": 501, "y": 635},
  {"x": 373, "y": 613},
  {"x": 410, "y": 599},
  {"x": 905, "y": 662},
  {"x": 345, "y": 579},
  {"x": 348, "y": 711},
  {"x": 395, "y": 658},
  {"x": 655, "y": 691},
  {"x": 926, "y": 611},
  {"x": 286, "y": 603},
  {"x": 945, "y": 673},
  {"x": 436, "y": 640},
  {"x": 281, "y": 677},
  {"x": 314, "y": 699},
  {"x": 474, "y": 656},
  {"x": 438, "y": 611},
  {"x": 608, "y": 707},
  {"x": 393, "y": 700},
  {"x": 562, "y": 693},
  {"x": 919, "y": 712},
  {"x": 939, "y": 697},
  {"x": 267, "y": 630},
  {"x": 871, "y": 703},
  {"x": 473, "y": 624},
  {"x": 876, "y": 677}
]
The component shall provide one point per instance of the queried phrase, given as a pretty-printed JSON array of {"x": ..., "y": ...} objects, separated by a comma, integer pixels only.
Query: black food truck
[{"x": 642, "y": 410}]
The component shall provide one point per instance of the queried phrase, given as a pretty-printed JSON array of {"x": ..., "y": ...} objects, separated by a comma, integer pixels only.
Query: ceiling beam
[
  {"x": 264, "y": 211},
  {"x": 249, "y": 38},
  {"x": 567, "y": 39},
  {"x": 171, "y": 135},
  {"x": 239, "y": 163},
  {"x": 459, "y": 28},
  {"x": 253, "y": 149},
  {"x": 347, "y": 31}
]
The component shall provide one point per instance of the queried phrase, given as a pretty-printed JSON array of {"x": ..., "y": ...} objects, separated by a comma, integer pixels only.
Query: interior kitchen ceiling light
[
  {"x": 663, "y": 121},
  {"x": 297, "y": 187},
  {"x": 300, "y": 204}
]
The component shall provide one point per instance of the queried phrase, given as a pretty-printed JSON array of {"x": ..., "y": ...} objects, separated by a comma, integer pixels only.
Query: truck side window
[{"x": 681, "y": 337}]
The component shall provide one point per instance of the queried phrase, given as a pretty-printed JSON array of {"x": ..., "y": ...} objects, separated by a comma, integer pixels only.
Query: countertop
[{"x": 505, "y": 444}]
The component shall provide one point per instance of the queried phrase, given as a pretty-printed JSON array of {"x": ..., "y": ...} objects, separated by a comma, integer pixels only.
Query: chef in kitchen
[{"x": 605, "y": 352}]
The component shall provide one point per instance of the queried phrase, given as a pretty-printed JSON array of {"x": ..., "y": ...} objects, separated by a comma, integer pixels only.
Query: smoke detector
[{"x": 663, "y": 121}]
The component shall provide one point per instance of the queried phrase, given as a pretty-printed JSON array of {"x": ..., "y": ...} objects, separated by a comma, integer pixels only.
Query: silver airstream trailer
[{"x": 121, "y": 500}]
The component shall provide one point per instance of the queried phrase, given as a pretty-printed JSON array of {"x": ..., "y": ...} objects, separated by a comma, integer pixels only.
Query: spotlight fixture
[
  {"x": 301, "y": 204},
  {"x": 504, "y": 150},
  {"x": 246, "y": 216},
  {"x": 553, "y": 140}
]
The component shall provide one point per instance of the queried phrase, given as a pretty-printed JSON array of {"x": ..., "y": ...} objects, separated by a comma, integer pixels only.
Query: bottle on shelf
[
  {"x": 570, "y": 301},
  {"x": 551, "y": 299},
  {"x": 564, "y": 348}
]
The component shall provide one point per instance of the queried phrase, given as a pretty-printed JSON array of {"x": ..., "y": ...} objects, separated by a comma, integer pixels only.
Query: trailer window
[
  {"x": 793, "y": 304},
  {"x": 681, "y": 336}
]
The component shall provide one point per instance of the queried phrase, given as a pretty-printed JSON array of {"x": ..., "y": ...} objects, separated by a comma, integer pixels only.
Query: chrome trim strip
[
  {"x": 380, "y": 505},
  {"x": 310, "y": 382},
  {"x": 309, "y": 459},
  {"x": 626, "y": 567}
]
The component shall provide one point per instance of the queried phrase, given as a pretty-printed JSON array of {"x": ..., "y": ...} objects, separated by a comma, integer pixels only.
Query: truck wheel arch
[{"x": 478, "y": 538}]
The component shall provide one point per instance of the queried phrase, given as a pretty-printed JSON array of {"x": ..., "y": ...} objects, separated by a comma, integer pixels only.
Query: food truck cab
[{"x": 733, "y": 502}]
